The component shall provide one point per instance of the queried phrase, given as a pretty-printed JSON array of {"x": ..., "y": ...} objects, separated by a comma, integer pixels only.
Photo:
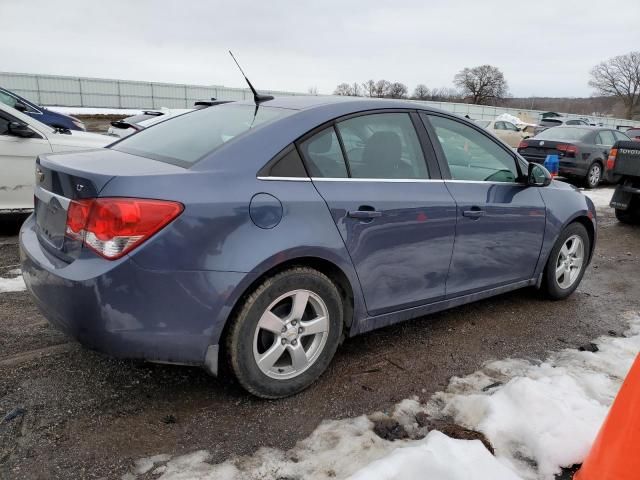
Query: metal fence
[{"x": 54, "y": 90}]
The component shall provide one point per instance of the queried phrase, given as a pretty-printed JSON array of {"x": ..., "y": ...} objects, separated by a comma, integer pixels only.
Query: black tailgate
[{"x": 627, "y": 159}]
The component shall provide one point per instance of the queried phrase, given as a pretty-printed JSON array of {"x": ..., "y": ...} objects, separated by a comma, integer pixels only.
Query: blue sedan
[{"x": 259, "y": 236}]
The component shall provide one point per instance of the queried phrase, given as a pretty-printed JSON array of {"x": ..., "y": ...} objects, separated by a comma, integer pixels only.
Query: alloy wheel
[
  {"x": 595, "y": 173},
  {"x": 291, "y": 334},
  {"x": 570, "y": 261}
]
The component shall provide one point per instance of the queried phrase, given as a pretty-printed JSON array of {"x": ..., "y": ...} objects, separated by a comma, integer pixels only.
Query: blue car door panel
[
  {"x": 500, "y": 221},
  {"x": 397, "y": 223}
]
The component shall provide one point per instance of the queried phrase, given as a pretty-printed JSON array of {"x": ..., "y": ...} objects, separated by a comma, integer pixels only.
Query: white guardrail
[{"x": 56, "y": 90}]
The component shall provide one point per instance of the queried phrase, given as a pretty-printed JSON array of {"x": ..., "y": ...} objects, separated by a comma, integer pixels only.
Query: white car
[
  {"x": 22, "y": 139},
  {"x": 144, "y": 120},
  {"x": 505, "y": 131}
]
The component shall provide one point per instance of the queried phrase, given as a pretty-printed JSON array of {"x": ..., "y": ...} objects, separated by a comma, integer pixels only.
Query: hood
[{"x": 78, "y": 140}]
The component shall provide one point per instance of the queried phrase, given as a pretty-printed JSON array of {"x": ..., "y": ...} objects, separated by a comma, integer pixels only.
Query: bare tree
[
  {"x": 382, "y": 88},
  {"x": 482, "y": 85},
  {"x": 345, "y": 89},
  {"x": 619, "y": 77},
  {"x": 313, "y": 90},
  {"x": 369, "y": 88},
  {"x": 398, "y": 90},
  {"x": 421, "y": 92},
  {"x": 445, "y": 94}
]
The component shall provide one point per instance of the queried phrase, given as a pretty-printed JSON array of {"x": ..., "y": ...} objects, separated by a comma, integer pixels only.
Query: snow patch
[
  {"x": 95, "y": 111},
  {"x": 439, "y": 457},
  {"x": 505, "y": 117},
  {"x": 13, "y": 284},
  {"x": 600, "y": 196},
  {"x": 539, "y": 417}
]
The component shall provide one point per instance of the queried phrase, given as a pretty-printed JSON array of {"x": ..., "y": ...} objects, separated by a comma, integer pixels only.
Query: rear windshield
[
  {"x": 633, "y": 132},
  {"x": 185, "y": 139},
  {"x": 550, "y": 123},
  {"x": 565, "y": 133}
]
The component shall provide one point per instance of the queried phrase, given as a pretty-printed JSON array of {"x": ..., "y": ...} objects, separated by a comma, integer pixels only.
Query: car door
[
  {"x": 17, "y": 164},
  {"x": 604, "y": 141},
  {"x": 513, "y": 135},
  {"x": 500, "y": 221},
  {"x": 389, "y": 203}
]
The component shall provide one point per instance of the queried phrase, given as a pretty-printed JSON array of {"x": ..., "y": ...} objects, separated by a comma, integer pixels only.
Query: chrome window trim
[
  {"x": 487, "y": 182},
  {"x": 383, "y": 180},
  {"x": 286, "y": 179}
]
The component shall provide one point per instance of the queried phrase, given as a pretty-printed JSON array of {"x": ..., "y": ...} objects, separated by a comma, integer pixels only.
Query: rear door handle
[
  {"x": 474, "y": 213},
  {"x": 364, "y": 214}
]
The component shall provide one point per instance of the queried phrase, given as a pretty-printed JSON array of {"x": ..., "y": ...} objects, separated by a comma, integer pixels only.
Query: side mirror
[
  {"x": 21, "y": 107},
  {"x": 538, "y": 176},
  {"x": 19, "y": 129}
]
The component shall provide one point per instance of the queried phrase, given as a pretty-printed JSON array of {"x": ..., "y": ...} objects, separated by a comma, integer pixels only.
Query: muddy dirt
[{"x": 85, "y": 415}]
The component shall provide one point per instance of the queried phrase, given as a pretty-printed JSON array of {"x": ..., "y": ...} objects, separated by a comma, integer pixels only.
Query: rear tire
[
  {"x": 594, "y": 176},
  {"x": 567, "y": 262},
  {"x": 285, "y": 333}
]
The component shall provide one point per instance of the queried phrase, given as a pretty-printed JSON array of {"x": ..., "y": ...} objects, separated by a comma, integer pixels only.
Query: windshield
[
  {"x": 565, "y": 133},
  {"x": 187, "y": 138}
]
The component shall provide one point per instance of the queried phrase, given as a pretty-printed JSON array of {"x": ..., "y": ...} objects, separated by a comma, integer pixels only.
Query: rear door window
[
  {"x": 472, "y": 155},
  {"x": 605, "y": 138},
  {"x": 619, "y": 136},
  {"x": 383, "y": 145}
]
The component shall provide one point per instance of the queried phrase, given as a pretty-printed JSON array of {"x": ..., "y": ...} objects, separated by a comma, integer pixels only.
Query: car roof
[
  {"x": 304, "y": 102},
  {"x": 585, "y": 127}
]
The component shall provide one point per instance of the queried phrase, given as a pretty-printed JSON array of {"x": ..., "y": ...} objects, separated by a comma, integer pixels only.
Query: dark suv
[{"x": 583, "y": 151}]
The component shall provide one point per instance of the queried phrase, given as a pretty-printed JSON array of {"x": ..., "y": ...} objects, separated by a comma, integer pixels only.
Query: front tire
[
  {"x": 285, "y": 333},
  {"x": 594, "y": 176},
  {"x": 567, "y": 262}
]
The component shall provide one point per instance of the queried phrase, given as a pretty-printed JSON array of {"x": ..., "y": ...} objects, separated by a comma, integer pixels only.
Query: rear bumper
[{"x": 126, "y": 311}]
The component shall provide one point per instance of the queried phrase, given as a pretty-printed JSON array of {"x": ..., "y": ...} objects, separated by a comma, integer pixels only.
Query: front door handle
[
  {"x": 364, "y": 213},
  {"x": 474, "y": 213}
]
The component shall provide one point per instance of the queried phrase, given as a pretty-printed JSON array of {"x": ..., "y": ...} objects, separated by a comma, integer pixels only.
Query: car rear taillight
[
  {"x": 568, "y": 150},
  {"x": 523, "y": 144},
  {"x": 611, "y": 161},
  {"x": 113, "y": 227}
]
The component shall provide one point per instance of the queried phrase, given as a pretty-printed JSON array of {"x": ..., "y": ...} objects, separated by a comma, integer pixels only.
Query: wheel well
[
  {"x": 588, "y": 225},
  {"x": 326, "y": 267}
]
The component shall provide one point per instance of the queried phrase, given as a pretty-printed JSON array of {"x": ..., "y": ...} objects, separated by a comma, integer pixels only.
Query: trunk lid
[
  {"x": 61, "y": 178},
  {"x": 537, "y": 150}
]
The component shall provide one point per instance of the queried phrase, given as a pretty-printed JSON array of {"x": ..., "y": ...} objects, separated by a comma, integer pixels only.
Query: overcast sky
[{"x": 544, "y": 48}]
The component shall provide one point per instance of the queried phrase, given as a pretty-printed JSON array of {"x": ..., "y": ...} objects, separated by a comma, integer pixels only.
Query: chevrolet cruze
[{"x": 259, "y": 236}]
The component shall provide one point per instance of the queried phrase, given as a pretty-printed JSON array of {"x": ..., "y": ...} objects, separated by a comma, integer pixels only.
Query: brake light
[
  {"x": 523, "y": 144},
  {"x": 113, "y": 227},
  {"x": 568, "y": 150},
  {"x": 611, "y": 161}
]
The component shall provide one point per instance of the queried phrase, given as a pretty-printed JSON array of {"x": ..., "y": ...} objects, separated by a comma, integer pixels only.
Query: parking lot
[{"x": 80, "y": 414}]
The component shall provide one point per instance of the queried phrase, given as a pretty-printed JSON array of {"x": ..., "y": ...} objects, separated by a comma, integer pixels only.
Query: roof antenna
[{"x": 257, "y": 97}]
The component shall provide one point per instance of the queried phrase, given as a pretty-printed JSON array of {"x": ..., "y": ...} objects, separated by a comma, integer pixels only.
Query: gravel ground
[{"x": 89, "y": 416}]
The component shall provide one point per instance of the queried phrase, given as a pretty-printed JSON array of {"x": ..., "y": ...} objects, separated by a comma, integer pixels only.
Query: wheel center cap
[{"x": 291, "y": 333}]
